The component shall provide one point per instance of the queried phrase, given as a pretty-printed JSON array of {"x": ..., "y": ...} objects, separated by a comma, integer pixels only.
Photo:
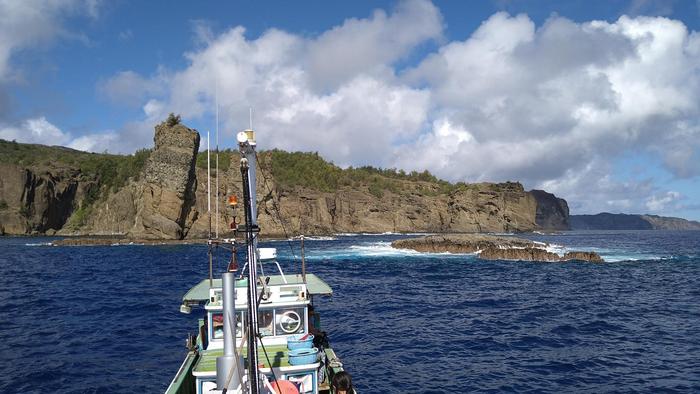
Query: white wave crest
[
  {"x": 313, "y": 238},
  {"x": 373, "y": 249},
  {"x": 381, "y": 234}
]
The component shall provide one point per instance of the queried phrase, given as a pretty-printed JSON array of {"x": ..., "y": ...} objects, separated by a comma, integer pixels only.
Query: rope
[
  {"x": 276, "y": 208},
  {"x": 235, "y": 353},
  {"x": 274, "y": 376}
]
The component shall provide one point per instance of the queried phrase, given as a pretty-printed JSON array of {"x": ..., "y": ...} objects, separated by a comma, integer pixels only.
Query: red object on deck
[{"x": 284, "y": 387}]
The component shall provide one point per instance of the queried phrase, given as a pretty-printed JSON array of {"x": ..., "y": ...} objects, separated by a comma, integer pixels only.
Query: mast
[
  {"x": 216, "y": 227},
  {"x": 208, "y": 184},
  {"x": 209, "y": 251},
  {"x": 246, "y": 143}
]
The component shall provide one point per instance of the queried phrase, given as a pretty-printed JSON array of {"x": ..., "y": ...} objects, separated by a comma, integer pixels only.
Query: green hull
[{"x": 184, "y": 382}]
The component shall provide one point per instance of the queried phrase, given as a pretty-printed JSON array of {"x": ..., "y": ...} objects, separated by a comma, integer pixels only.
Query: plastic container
[
  {"x": 243, "y": 282},
  {"x": 303, "y": 356},
  {"x": 295, "y": 342}
]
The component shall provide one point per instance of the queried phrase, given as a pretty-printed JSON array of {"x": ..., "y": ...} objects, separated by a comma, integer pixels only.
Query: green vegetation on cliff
[
  {"x": 310, "y": 170},
  {"x": 306, "y": 170},
  {"x": 57, "y": 188},
  {"x": 226, "y": 156},
  {"x": 110, "y": 171},
  {"x": 107, "y": 172}
]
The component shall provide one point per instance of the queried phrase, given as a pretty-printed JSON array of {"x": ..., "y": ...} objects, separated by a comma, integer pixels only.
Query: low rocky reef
[
  {"x": 111, "y": 241},
  {"x": 490, "y": 247}
]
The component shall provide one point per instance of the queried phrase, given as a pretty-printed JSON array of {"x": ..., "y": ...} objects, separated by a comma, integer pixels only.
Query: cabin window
[
  {"x": 217, "y": 325},
  {"x": 281, "y": 321},
  {"x": 240, "y": 318},
  {"x": 266, "y": 318},
  {"x": 290, "y": 321}
]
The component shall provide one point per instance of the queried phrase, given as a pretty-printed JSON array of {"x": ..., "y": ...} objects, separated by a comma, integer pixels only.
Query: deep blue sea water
[{"x": 105, "y": 319}]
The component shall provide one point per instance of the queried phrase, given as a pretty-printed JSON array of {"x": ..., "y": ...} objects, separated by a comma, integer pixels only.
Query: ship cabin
[{"x": 285, "y": 312}]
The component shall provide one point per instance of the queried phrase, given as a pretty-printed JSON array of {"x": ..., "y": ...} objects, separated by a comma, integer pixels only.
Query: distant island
[{"x": 621, "y": 221}]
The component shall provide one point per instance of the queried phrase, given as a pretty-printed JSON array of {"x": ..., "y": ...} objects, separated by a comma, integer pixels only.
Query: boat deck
[
  {"x": 314, "y": 284},
  {"x": 278, "y": 355}
]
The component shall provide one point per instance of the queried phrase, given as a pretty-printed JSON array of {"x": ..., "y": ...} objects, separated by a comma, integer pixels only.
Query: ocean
[{"x": 105, "y": 319}]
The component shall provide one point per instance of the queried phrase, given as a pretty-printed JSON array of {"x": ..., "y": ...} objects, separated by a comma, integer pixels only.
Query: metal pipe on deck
[
  {"x": 211, "y": 265},
  {"x": 227, "y": 376},
  {"x": 228, "y": 283},
  {"x": 303, "y": 261}
]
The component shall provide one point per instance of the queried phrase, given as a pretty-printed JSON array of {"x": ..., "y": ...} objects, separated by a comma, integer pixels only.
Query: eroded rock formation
[
  {"x": 552, "y": 212},
  {"x": 523, "y": 254},
  {"x": 38, "y": 199},
  {"x": 417, "y": 207},
  {"x": 167, "y": 200},
  {"x": 161, "y": 204},
  {"x": 461, "y": 243},
  {"x": 167, "y": 194},
  {"x": 490, "y": 247}
]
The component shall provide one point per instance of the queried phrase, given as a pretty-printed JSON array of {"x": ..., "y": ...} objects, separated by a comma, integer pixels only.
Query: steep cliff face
[
  {"x": 552, "y": 212},
  {"x": 38, "y": 200},
  {"x": 166, "y": 198},
  {"x": 161, "y": 204},
  {"x": 167, "y": 195},
  {"x": 414, "y": 207},
  {"x": 671, "y": 223},
  {"x": 481, "y": 208}
]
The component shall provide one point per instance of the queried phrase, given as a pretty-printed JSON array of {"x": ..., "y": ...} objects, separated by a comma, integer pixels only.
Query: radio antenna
[
  {"x": 209, "y": 183},
  {"x": 216, "y": 227}
]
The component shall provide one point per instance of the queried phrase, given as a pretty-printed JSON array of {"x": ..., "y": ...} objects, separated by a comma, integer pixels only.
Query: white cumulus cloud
[
  {"x": 34, "y": 23},
  {"x": 658, "y": 203},
  {"x": 552, "y": 106},
  {"x": 35, "y": 131},
  {"x": 371, "y": 45},
  {"x": 129, "y": 88},
  {"x": 41, "y": 131}
]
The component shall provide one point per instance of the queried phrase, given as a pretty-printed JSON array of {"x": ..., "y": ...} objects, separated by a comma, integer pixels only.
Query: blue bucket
[
  {"x": 303, "y": 356},
  {"x": 295, "y": 342}
]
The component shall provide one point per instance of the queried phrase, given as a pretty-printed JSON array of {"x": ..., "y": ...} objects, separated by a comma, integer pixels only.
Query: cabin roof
[{"x": 314, "y": 285}]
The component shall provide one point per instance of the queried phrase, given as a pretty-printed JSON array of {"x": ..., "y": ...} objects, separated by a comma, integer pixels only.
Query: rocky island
[
  {"x": 160, "y": 193},
  {"x": 490, "y": 247}
]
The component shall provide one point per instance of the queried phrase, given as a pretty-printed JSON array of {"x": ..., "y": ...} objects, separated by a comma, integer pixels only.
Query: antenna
[
  {"x": 217, "y": 162},
  {"x": 211, "y": 266},
  {"x": 250, "y": 113},
  {"x": 208, "y": 184}
]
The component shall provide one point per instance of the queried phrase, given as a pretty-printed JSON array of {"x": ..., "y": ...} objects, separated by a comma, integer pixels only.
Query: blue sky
[{"x": 596, "y": 102}]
